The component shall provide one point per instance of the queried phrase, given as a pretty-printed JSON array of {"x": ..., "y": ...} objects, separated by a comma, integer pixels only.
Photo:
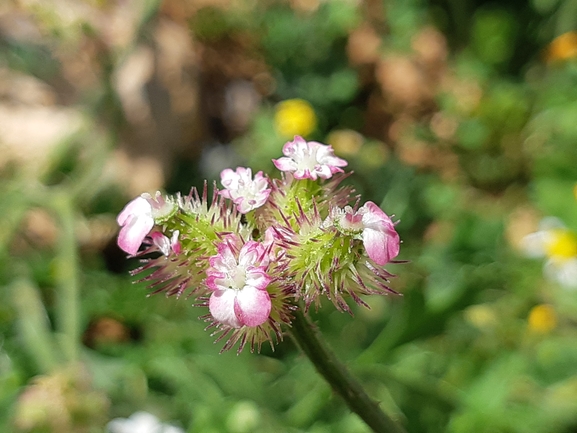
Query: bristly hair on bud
[
  {"x": 289, "y": 197},
  {"x": 319, "y": 260}
]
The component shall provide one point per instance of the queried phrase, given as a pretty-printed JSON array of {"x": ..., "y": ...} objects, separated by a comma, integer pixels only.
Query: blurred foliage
[{"x": 457, "y": 116}]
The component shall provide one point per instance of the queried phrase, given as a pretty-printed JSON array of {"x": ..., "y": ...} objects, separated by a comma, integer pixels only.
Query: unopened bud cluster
[{"x": 261, "y": 247}]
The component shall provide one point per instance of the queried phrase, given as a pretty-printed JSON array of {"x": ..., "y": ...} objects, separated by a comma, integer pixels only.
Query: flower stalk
[{"x": 336, "y": 374}]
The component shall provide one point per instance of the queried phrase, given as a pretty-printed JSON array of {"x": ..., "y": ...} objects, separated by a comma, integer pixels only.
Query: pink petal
[
  {"x": 325, "y": 155},
  {"x": 214, "y": 280},
  {"x": 375, "y": 218},
  {"x": 136, "y": 221},
  {"x": 291, "y": 147},
  {"x": 252, "y": 306},
  {"x": 228, "y": 178},
  {"x": 381, "y": 246},
  {"x": 137, "y": 207},
  {"x": 131, "y": 235},
  {"x": 285, "y": 164},
  {"x": 257, "y": 277},
  {"x": 222, "y": 307},
  {"x": 323, "y": 171},
  {"x": 250, "y": 253},
  {"x": 243, "y": 205},
  {"x": 301, "y": 174},
  {"x": 175, "y": 243},
  {"x": 245, "y": 173},
  {"x": 162, "y": 242},
  {"x": 225, "y": 193}
]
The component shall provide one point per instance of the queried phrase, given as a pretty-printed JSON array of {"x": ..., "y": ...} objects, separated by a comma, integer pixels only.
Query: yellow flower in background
[
  {"x": 542, "y": 319},
  {"x": 563, "y": 47},
  {"x": 558, "y": 245},
  {"x": 294, "y": 117},
  {"x": 562, "y": 244}
]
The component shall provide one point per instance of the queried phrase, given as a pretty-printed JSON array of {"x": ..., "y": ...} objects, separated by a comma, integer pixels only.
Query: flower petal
[
  {"x": 252, "y": 306},
  {"x": 257, "y": 277},
  {"x": 534, "y": 244},
  {"x": 222, "y": 307},
  {"x": 285, "y": 164},
  {"x": 562, "y": 271},
  {"x": 381, "y": 246},
  {"x": 136, "y": 221},
  {"x": 161, "y": 242},
  {"x": 137, "y": 207},
  {"x": 245, "y": 192},
  {"x": 375, "y": 218},
  {"x": 131, "y": 235},
  {"x": 309, "y": 160}
]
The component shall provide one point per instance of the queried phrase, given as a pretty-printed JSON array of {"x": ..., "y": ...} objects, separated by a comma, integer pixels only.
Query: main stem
[{"x": 311, "y": 343}]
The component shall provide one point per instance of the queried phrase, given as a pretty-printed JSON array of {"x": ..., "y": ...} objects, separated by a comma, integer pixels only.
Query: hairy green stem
[{"x": 335, "y": 373}]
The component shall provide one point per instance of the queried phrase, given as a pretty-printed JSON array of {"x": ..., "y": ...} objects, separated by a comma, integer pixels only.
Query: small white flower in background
[
  {"x": 564, "y": 272},
  {"x": 141, "y": 422},
  {"x": 558, "y": 245}
]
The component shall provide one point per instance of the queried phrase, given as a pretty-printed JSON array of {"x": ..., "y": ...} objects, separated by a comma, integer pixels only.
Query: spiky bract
[{"x": 321, "y": 261}]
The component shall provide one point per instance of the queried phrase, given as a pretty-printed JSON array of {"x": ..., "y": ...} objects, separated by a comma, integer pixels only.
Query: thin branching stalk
[
  {"x": 33, "y": 324},
  {"x": 66, "y": 275},
  {"x": 335, "y": 373}
]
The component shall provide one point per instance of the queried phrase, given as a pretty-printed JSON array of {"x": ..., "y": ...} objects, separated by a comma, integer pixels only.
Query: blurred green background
[{"x": 458, "y": 116}]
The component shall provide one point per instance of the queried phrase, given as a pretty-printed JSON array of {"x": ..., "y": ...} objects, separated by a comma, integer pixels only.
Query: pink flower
[
  {"x": 162, "y": 208},
  {"x": 309, "y": 160},
  {"x": 136, "y": 221},
  {"x": 165, "y": 244},
  {"x": 239, "y": 295},
  {"x": 139, "y": 216},
  {"x": 376, "y": 230},
  {"x": 247, "y": 194}
]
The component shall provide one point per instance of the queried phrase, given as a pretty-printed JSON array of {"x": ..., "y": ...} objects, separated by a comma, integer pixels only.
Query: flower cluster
[{"x": 261, "y": 247}]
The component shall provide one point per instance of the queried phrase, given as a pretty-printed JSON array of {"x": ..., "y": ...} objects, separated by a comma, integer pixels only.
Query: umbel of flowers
[{"x": 261, "y": 247}]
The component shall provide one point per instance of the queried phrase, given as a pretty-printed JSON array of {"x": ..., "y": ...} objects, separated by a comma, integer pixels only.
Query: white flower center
[{"x": 236, "y": 278}]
